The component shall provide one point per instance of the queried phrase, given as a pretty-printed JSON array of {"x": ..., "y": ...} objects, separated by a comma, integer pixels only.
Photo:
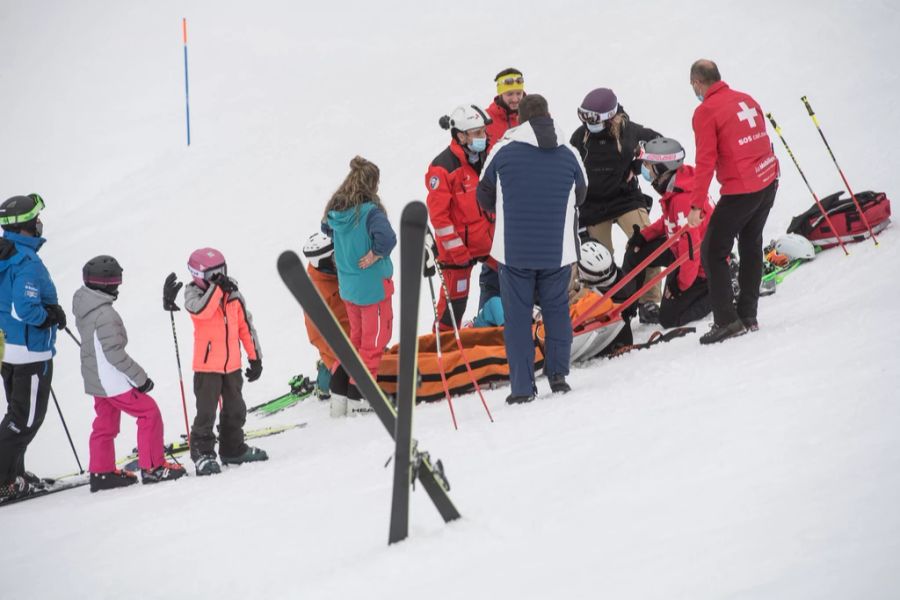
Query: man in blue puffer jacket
[
  {"x": 30, "y": 315},
  {"x": 534, "y": 182}
]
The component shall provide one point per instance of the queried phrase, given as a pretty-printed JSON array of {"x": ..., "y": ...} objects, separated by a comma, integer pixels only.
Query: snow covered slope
[{"x": 763, "y": 468}]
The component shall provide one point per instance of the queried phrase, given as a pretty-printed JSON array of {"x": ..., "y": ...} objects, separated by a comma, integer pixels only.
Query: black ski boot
[
  {"x": 558, "y": 384},
  {"x": 648, "y": 312},
  {"x": 514, "y": 399},
  {"x": 165, "y": 472},
  {"x": 750, "y": 323},
  {"x": 17, "y": 489},
  {"x": 720, "y": 333},
  {"x": 113, "y": 479},
  {"x": 251, "y": 454},
  {"x": 206, "y": 464}
]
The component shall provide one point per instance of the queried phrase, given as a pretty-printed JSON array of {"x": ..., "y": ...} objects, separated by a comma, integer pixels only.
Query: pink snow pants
[
  {"x": 371, "y": 326},
  {"x": 106, "y": 428}
]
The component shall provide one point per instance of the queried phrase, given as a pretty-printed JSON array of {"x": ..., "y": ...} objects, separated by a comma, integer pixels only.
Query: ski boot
[
  {"x": 750, "y": 323},
  {"x": 648, "y": 312},
  {"x": 165, "y": 472},
  {"x": 356, "y": 404},
  {"x": 17, "y": 489},
  {"x": 720, "y": 333},
  {"x": 323, "y": 381},
  {"x": 558, "y": 384},
  {"x": 111, "y": 480},
  {"x": 516, "y": 399},
  {"x": 206, "y": 464},
  {"x": 251, "y": 454}
]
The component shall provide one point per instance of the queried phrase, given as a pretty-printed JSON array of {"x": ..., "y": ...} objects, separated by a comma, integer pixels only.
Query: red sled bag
[{"x": 844, "y": 217}]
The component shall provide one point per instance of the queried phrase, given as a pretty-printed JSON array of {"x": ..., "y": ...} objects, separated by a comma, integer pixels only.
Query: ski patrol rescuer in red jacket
[{"x": 731, "y": 138}]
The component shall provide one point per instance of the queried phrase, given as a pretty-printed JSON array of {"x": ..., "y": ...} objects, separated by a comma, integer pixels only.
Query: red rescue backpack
[{"x": 844, "y": 217}]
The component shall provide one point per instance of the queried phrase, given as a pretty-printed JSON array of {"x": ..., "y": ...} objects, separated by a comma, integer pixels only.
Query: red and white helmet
[
  {"x": 204, "y": 263},
  {"x": 465, "y": 118}
]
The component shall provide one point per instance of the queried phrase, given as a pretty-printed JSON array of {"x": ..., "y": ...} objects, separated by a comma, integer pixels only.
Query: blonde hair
[{"x": 360, "y": 185}]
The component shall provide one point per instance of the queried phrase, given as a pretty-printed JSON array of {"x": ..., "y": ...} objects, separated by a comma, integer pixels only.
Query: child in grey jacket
[{"x": 117, "y": 383}]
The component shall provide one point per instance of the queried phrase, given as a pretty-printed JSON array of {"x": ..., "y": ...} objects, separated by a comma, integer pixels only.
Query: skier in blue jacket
[
  {"x": 534, "y": 182},
  {"x": 30, "y": 315}
]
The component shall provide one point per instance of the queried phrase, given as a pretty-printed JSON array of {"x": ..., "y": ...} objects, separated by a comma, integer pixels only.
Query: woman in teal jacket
[{"x": 363, "y": 241}]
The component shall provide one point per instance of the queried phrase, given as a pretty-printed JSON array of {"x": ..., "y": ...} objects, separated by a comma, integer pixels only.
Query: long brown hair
[{"x": 360, "y": 185}]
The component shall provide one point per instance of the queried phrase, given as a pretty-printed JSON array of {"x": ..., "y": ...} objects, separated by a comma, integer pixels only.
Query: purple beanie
[{"x": 601, "y": 100}]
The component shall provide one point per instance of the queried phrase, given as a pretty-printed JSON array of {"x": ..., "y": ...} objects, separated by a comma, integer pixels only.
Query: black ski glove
[
  {"x": 636, "y": 240},
  {"x": 55, "y": 316},
  {"x": 170, "y": 292},
  {"x": 254, "y": 370},
  {"x": 148, "y": 385},
  {"x": 225, "y": 284}
]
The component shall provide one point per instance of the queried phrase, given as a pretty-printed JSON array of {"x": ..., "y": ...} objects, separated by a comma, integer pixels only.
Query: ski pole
[
  {"x": 66, "y": 428},
  {"x": 180, "y": 378},
  {"x": 846, "y": 183},
  {"x": 72, "y": 335},
  {"x": 809, "y": 187},
  {"x": 440, "y": 354},
  {"x": 459, "y": 343}
]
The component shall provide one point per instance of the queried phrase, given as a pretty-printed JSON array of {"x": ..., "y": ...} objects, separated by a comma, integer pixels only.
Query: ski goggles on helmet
[
  {"x": 210, "y": 273},
  {"x": 652, "y": 157},
  {"x": 26, "y": 216},
  {"x": 592, "y": 117}
]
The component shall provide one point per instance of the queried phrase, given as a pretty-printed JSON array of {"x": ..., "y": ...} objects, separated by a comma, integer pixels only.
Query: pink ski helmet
[{"x": 204, "y": 263}]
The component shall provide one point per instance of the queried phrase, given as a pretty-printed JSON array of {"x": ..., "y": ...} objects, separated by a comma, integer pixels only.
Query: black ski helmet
[
  {"x": 102, "y": 273},
  {"x": 21, "y": 213}
]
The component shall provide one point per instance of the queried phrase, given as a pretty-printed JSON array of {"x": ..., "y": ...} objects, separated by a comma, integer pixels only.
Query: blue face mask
[
  {"x": 478, "y": 144},
  {"x": 699, "y": 97},
  {"x": 596, "y": 128},
  {"x": 645, "y": 173}
]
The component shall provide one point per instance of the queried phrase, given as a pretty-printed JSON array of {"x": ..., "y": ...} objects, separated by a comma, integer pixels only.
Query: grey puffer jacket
[{"x": 106, "y": 367}]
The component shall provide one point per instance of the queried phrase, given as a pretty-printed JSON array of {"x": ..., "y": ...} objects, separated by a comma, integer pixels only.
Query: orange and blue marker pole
[{"x": 187, "y": 103}]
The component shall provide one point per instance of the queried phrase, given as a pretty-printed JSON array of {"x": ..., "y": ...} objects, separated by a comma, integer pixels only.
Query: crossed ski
[{"x": 430, "y": 475}]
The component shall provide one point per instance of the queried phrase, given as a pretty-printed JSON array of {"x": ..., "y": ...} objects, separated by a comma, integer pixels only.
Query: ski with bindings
[
  {"x": 50, "y": 486},
  {"x": 294, "y": 275},
  {"x": 181, "y": 447},
  {"x": 301, "y": 389},
  {"x": 412, "y": 255}
]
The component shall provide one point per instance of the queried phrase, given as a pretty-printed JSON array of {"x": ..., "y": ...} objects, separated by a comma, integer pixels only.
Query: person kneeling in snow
[
  {"x": 221, "y": 325},
  {"x": 117, "y": 383},
  {"x": 686, "y": 296}
]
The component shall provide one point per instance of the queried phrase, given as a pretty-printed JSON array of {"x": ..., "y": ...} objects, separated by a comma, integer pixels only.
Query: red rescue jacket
[
  {"x": 462, "y": 230},
  {"x": 501, "y": 120},
  {"x": 676, "y": 204},
  {"x": 731, "y": 137}
]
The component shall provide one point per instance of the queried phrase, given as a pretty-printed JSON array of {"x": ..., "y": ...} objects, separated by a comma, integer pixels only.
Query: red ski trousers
[{"x": 371, "y": 327}]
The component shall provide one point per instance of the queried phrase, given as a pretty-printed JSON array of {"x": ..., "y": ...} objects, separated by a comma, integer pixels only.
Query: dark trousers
[
  {"x": 740, "y": 216},
  {"x": 27, "y": 390},
  {"x": 208, "y": 388},
  {"x": 518, "y": 290},
  {"x": 691, "y": 305}
]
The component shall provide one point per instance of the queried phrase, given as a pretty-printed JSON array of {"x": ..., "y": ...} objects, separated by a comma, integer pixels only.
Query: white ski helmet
[
  {"x": 596, "y": 267},
  {"x": 319, "y": 251},
  {"x": 795, "y": 247},
  {"x": 464, "y": 118}
]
